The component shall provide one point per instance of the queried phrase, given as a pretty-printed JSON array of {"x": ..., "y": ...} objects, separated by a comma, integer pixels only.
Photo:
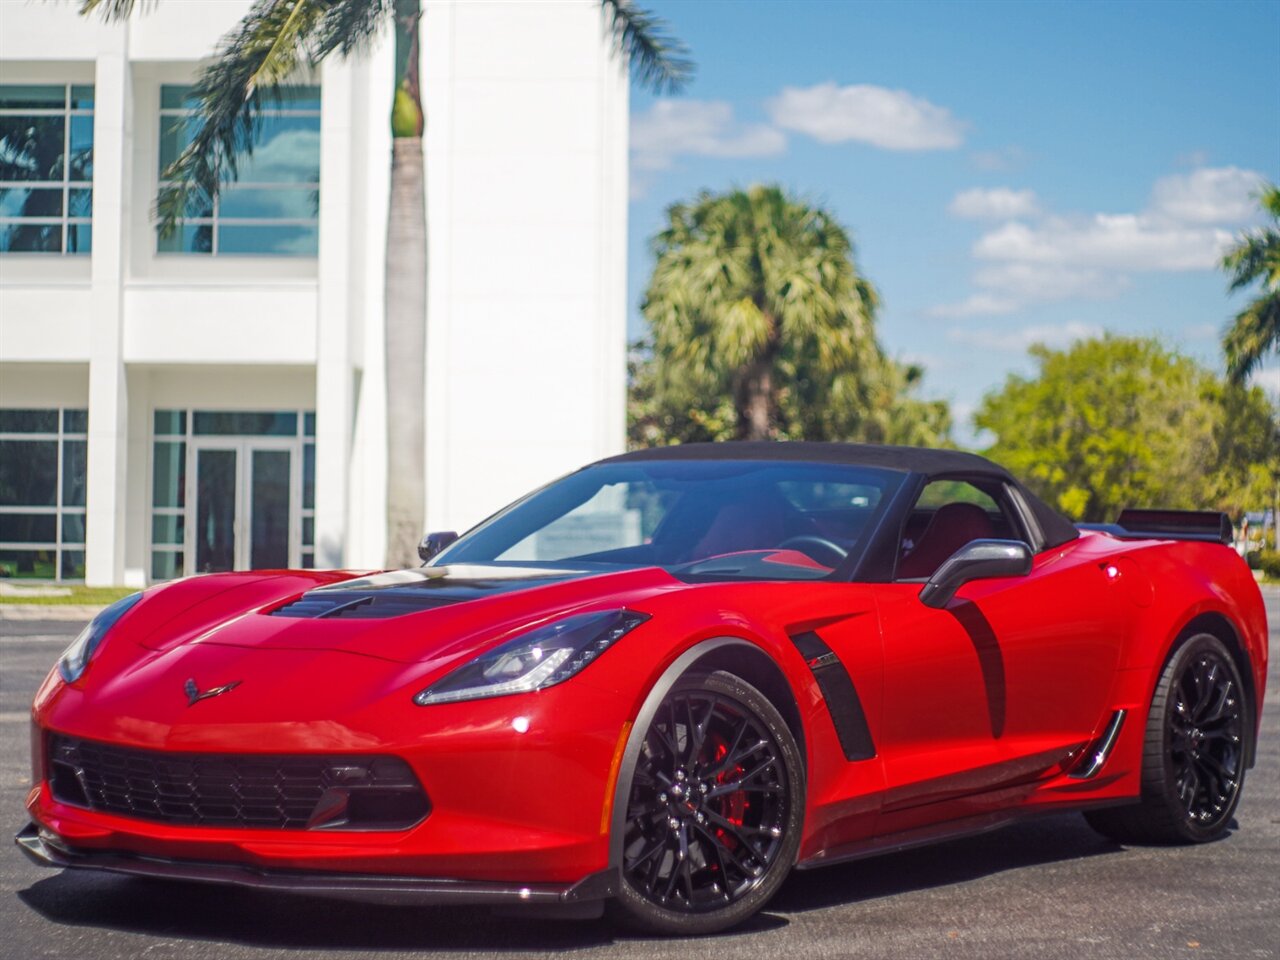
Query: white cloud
[
  {"x": 891, "y": 119},
  {"x": 998, "y": 203},
  {"x": 704, "y": 128},
  {"x": 1115, "y": 242},
  {"x": 1046, "y": 281},
  {"x": 1017, "y": 341},
  {"x": 1186, "y": 226},
  {"x": 1209, "y": 195},
  {"x": 1008, "y": 287},
  {"x": 976, "y": 305}
]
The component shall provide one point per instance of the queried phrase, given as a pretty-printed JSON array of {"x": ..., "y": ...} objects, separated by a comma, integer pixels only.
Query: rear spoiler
[{"x": 1208, "y": 526}]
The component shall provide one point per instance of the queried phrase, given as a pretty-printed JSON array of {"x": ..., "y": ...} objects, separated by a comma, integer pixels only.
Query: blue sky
[{"x": 1010, "y": 171}]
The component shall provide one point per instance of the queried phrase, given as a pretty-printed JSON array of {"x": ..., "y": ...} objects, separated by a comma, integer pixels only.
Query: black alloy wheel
[
  {"x": 1205, "y": 738},
  {"x": 714, "y": 812},
  {"x": 1193, "y": 760}
]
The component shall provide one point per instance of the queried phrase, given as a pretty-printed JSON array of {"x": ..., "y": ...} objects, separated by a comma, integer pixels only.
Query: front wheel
[
  {"x": 715, "y": 810},
  {"x": 1193, "y": 756}
]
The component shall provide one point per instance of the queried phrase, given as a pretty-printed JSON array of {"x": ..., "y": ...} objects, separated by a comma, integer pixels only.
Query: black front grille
[{"x": 292, "y": 792}]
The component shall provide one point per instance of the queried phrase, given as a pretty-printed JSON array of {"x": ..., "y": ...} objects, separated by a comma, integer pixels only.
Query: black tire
[
  {"x": 714, "y": 813},
  {"x": 1193, "y": 756}
]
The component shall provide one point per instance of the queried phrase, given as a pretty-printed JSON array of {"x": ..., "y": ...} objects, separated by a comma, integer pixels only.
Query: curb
[{"x": 48, "y": 611}]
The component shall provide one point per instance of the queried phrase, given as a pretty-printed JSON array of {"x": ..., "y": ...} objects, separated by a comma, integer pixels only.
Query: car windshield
[{"x": 698, "y": 519}]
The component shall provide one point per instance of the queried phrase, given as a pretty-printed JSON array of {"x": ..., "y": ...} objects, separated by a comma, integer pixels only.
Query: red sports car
[{"x": 662, "y": 682}]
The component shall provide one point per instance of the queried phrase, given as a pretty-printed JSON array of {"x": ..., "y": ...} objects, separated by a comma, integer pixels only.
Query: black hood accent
[{"x": 413, "y": 591}]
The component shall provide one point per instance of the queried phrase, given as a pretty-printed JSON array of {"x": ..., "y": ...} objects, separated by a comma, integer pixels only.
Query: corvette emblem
[{"x": 194, "y": 695}]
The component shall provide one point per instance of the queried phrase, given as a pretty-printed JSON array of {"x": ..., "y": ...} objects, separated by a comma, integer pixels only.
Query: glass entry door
[{"x": 244, "y": 509}]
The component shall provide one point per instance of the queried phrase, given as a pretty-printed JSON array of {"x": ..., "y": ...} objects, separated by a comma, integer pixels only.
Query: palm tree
[
  {"x": 1255, "y": 258},
  {"x": 277, "y": 39},
  {"x": 752, "y": 289}
]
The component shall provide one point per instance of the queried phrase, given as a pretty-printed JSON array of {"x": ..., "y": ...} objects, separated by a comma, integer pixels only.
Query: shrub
[{"x": 1269, "y": 563}]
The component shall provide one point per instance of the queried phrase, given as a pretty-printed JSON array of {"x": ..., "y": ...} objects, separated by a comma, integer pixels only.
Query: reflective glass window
[
  {"x": 28, "y": 421},
  {"x": 272, "y": 208},
  {"x": 42, "y": 492},
  {"x": 236, "y": 422},
  {"x": 169, "y": 474},
  {"x": 170, "y": 422},
  {"x": 46, "y": 166},
  {"x": 28, "y": 473}
]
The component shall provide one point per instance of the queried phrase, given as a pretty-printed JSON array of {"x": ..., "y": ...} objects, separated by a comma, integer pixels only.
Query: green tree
[
  {"x": 276, "y": 41},
  {"x": 762, "y": 327},
  {"x": 1115, "y": 422},
  {"x": 1255, "y": 258}
]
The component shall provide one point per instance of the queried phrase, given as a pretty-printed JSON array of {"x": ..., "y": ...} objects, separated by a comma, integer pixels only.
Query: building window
[
  {"x": 232, "y": 490},
  {"x": 273, "y": 206},
  {"x": 42, "y": 493},
  {"x": 46, "y": 168}
]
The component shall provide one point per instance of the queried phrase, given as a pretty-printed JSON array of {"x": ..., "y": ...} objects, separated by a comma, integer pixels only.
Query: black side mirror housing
[
  {"x": 433, "y": 543},
  {"x": 976, "y": 560}
]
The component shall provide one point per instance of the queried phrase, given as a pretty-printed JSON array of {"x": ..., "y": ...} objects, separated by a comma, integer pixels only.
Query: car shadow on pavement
[
  {"x": 253, "y": 918},
  {"x": 1034, "y": 842}
]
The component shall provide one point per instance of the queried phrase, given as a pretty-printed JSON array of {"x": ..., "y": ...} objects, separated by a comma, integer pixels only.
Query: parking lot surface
[{"x": 1045, "y": 888}]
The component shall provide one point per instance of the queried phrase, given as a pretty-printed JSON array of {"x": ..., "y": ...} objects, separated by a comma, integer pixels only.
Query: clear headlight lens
[
  {"x": 76, "y": 657},
  {"x": 535, "y": 660}
]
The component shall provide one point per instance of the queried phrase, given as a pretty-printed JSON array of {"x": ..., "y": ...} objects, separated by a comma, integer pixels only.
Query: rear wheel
[
  {"x": 715, "y": 810},
  {"x": 1193, "y": 757}
]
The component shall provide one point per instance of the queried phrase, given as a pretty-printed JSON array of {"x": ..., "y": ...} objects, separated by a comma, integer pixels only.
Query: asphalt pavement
[{"x": 1046, "y": 888}]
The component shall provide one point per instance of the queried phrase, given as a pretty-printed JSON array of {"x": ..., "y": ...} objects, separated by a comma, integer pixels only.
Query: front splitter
[{"x": 47, "y": 850}]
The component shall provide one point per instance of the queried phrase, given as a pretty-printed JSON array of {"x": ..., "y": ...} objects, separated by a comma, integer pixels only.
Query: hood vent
[
  {"x": 355, "y": 606},
  {"x": 380, "y": 597}
]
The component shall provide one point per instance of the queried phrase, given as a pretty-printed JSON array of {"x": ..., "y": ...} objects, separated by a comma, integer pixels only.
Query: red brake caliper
[{"x": 732, "y": 806}]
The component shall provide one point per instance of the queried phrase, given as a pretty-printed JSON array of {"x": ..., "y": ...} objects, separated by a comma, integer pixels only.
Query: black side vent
[{"x": 839, "y": 693}]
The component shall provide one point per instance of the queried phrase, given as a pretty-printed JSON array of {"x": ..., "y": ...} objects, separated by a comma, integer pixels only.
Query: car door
[{"x": 1006, "y": 683}]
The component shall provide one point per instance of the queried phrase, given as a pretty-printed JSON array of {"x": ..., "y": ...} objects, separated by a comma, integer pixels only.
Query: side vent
[
  {"x": 840, "y": 695},
  {"x": 1096, "y": 753}
]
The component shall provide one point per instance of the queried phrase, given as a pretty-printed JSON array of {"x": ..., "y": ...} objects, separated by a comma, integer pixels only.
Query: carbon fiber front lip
[{"x": 45, "y": 849}]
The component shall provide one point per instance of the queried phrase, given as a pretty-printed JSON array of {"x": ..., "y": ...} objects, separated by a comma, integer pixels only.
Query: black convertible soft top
[{"x": 932, "y": 464}]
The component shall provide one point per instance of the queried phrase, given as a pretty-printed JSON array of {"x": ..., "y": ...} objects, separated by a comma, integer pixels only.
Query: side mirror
[
  {"x": 433, "y": 543},
  {"x": 976, "y": 560}
]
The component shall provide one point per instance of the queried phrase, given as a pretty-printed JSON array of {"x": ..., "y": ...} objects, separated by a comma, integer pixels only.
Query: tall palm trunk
[
  {"x": 406, "y": 303},
  {"x": 405, "y": 341},
  {"x": 754, "y": 400}
]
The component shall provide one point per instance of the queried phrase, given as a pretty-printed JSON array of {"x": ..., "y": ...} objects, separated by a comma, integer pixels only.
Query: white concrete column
[
  {"x": 108, "y": 384},
  {"x": 611, "y": 307},
  {"x": 333, "y": 353},
  {"x": 439, "y": 74}
]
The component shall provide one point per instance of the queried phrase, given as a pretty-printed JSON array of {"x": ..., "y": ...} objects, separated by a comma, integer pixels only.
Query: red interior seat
[{"x": 953, "y": 525}]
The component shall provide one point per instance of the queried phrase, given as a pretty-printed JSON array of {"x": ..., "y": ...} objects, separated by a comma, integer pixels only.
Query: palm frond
[
  {"x": 1254, "y": 333},
  {"x": 111, "y": 10},
  {"x": 657, "y": 59},
  {"x": 275, "y": 40},
  {"x": 1255, "y": 258},
  {"x": 349, "y": 26}
]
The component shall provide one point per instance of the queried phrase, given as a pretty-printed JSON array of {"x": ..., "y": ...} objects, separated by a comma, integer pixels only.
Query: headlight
[
  {"x": 536, "y": 660},
  {"x": 76, "y": 657}
]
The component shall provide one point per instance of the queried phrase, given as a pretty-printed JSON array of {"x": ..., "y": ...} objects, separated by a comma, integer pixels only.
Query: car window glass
[
  {"x": 619, "y": 515},
  {"x": 699, "y": 520},
  {"x": 947, "y": 515}
]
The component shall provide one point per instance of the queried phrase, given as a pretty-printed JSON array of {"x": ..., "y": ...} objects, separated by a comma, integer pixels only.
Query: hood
[{"x": 409, "y": 616}]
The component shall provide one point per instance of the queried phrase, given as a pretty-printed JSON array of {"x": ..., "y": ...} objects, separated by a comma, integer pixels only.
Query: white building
[{"x": 215, "y": 400}]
